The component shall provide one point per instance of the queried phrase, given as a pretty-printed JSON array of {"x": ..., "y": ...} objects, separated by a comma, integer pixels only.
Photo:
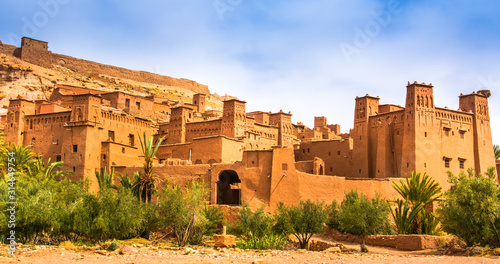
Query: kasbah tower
[
  {"x": 391, "y": 141},
  {"x": 249, "y": 157}
]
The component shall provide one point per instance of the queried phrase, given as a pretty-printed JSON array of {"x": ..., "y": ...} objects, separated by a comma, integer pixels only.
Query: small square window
[
  {"x": 75, "y": 148},
  {"x": 462, "y": 164},
  {"x": 447, "y": 163},
  {"x": 338, "y": 153},
  {"x": 329, "y": 153},
  {"x": 58, "y": 158},
  {"x": 284, "y": 166}
]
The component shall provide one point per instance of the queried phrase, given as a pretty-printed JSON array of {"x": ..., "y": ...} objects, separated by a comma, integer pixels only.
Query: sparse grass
[
  {"x": 67, "y": 245},
  {"x": 135, "y": 241}
]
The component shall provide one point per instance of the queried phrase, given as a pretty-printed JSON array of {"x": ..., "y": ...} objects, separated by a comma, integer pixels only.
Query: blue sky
[{"x": 310, "y": 57}]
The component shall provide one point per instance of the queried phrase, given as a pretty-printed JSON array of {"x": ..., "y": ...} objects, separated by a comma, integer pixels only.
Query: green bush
[
  {"x": 303, "y": 221},
  {"x": 333, "y": 215},
  {"x": 256, "y": 223},
  {"x": 64, "y": 210},
  {"x": 471, "y": 209},
  {"x": 215, "y": 219},
  {"x": 360, "y": 216},
  {"x": 267, "y": 241},
  {"x": 182, "y": 210}
]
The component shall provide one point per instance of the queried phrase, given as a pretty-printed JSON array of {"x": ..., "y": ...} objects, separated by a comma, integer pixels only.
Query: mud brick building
[{"x": 254, "y": 157}]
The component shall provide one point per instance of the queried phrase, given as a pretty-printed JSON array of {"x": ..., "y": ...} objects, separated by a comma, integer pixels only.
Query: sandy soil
[{"x": 57, "y": 255}]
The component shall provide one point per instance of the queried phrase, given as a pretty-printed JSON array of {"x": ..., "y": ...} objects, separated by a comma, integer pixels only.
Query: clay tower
[
  {"x": 199, "y": 101},
  {"x": 177, "y": 126},
  {"x": 421, "y": 130},
  {"x": 477, "y": 103},
  {"x": 366, "y": 106},
  {"x": 86, "y": 108},
  {"x": 234, "y": 118},
  {"x": 14, "y": 126}
]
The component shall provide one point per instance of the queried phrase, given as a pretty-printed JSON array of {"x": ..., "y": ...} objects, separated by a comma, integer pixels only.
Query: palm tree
[
  {"x": 105, "y": 178},
  {"x": 2, "y": 140},
  {"x": 416, "y": 191},
  {"x": 131, "y": 183},
  {"x": 20, "y": 158},
  {"x": 147, "y": 181},
  {"x": 496, "y": 149},
  {"x": 45, "y": 172}
]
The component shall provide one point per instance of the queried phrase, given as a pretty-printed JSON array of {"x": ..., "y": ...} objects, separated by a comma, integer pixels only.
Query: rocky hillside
[{"x": 21, "y": 79}]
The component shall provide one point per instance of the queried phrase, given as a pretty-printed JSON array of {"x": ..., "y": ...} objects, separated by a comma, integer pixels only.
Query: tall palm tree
[
  {"x": 417, "y": 191},
  {"x": 20, "y": 158},
  {"x": 496, "y": 149},
  {"x": 147, "y": 181},
  {"x": 45, "y": 172}
]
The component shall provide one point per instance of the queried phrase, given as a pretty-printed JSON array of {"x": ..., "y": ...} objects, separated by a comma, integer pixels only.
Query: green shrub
[
  {"x": 303, "y": 221},
  {"x": 267, "y": 241},
  {"x": 333, "y": 215},
  {"x": 360, "y": 216},
  {"x": 215, "y": 219},
  {"x": 471, "y": 209},
  {"x": 257, "y": 223},
  {"x": 182, "y": 210},
  {"x": 109, "y": 215}
]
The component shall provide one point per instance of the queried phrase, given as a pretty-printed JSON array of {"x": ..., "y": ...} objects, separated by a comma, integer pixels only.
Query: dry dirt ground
[{"x": 59, "y": 255}]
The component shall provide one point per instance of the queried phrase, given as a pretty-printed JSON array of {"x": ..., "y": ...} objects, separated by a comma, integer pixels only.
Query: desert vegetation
[{"x": 52, "y": 209}]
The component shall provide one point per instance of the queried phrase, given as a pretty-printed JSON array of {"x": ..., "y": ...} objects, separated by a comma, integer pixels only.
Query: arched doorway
[{"x": 228, "y": 188}]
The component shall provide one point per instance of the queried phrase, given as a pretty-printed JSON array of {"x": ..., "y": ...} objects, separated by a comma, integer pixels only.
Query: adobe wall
[
  {"x": 372, "y": 187},
  {"x": 262, "y": 136},
  {"x": 131, "y": 104},
  {"x": 120, "y": 155},
  {"x": 321, "y": 188},
  {"x": 498, "y": 169},
  {"x": 34, "y": 43},
  {"x": 36, "y": 56},
  {"x": 179, "y": 175},
  {"x": 45, "y": 133},
  {"x": 255, "y": 175},
  {"x": 7, "y": 49},
  {"x": 203, "y": 129},
  {"x": 305, "y": 166},
  {"x": 335, "y": 153},
  {"x": 174, "y": 151},
  {"x": 386, "y": 144},
  {"x": 217, "y": 149}
]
